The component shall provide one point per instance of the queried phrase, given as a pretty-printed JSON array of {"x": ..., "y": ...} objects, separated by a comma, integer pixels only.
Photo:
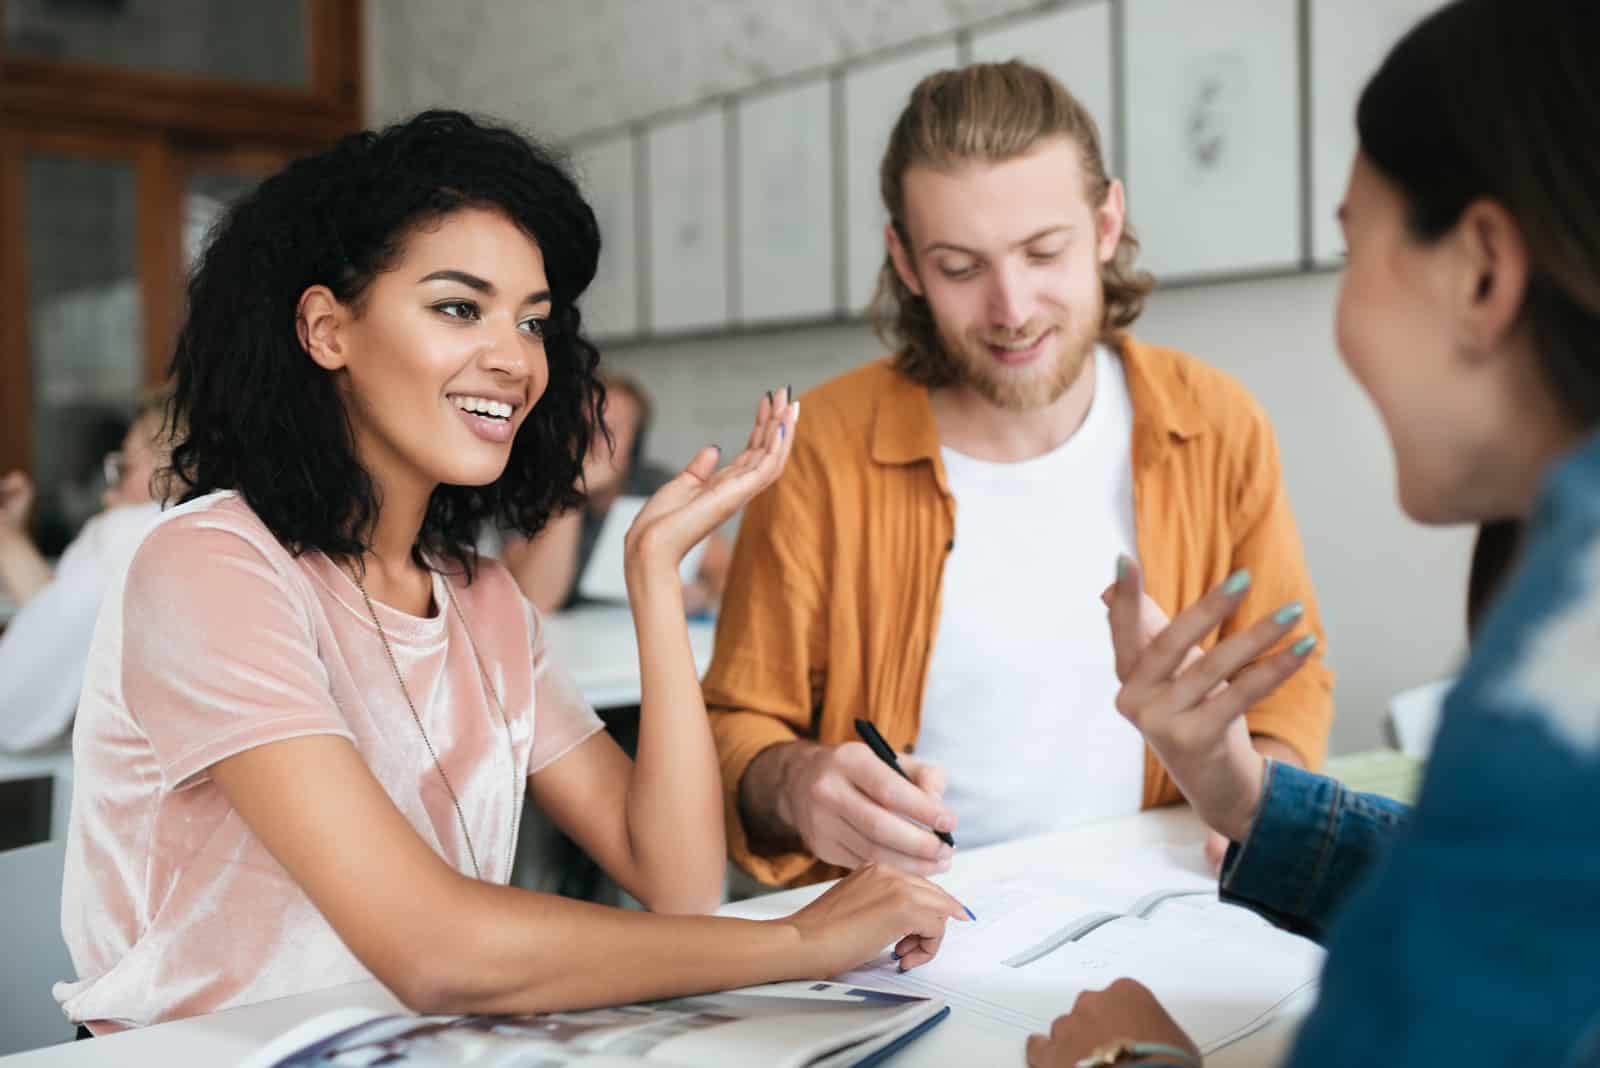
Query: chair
[
  {"x": 53, "y": 763},
  {"x": 1413, "y": 717},
  {"x": 32, "y": 954}
]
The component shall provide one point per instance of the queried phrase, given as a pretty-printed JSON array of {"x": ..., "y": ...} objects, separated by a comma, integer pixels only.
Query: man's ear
[
  {"x": 1490, "y": 280},
  {"x": 901, "y": 257},
  {"x": 1110, "y": 218},
  {"x": 318, "y": 322}
]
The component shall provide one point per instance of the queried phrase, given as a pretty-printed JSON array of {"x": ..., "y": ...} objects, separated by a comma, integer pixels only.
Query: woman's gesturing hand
[
  {"x": 702, "y": 497},
  {"x": 1189, "y": 704}
]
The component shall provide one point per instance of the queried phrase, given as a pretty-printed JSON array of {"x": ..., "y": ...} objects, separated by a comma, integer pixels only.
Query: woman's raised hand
[{"x": 703, "y": 497}]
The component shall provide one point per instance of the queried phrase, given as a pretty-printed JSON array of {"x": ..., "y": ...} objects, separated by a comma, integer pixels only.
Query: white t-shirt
[{"x": 1019, "y": 706}]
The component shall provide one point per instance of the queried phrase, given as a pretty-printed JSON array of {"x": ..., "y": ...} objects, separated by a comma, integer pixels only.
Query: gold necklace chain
[{"x": 504, "y": 723}]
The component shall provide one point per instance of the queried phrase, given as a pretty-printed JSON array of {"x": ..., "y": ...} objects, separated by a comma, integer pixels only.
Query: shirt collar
[{"x": 903, "y": 430}]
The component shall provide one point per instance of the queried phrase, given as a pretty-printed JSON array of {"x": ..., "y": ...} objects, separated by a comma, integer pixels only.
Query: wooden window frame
[
  {"x": 165, "y": 124},
  {"x": 121, "y": 98}
]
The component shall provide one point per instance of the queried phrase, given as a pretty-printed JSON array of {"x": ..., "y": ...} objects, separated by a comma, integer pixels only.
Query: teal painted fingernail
[
  {"x": 1237, "y": 582},
  {"x": 1122, "y": 568},
  {"x": 893, "y": 954},
  {"x": 1304, "y": 645},
  {"x": 1289, "y": 613}
]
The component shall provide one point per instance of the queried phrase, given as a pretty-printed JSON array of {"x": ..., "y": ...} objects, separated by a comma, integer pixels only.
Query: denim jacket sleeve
[
  {"x": 1472, "y": 937},
  {"x": 1312, "y": 842}
]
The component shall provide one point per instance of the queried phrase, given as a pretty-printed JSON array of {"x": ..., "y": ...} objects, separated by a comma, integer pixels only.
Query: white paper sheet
[{"x": 1222, "y": 971}]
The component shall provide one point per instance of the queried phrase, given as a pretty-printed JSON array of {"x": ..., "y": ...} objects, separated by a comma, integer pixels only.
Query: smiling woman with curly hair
[{"x": 311, "y": 712}]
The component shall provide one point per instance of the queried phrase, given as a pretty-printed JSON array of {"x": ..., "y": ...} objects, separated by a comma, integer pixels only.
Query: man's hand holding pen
[{"x": 850, "y": 808}]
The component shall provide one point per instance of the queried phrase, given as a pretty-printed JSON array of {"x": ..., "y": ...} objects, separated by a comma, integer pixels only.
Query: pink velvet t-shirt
[{"x": 217, "y": 640}]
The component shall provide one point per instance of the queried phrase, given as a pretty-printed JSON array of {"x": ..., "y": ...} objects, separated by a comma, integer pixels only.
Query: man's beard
[{"x": 1031, "y": 387}]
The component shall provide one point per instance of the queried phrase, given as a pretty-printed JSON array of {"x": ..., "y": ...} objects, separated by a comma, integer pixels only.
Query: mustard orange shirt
[{"x": 833, "y": 594}]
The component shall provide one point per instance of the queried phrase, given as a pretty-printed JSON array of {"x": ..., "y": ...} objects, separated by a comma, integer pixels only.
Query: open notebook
[
  {"x": 783, "y": 1025},
  {"x": 1044, "y": 935}
]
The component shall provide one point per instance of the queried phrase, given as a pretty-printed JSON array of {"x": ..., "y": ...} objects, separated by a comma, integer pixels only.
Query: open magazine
[{"x": 782, "y": 1025}]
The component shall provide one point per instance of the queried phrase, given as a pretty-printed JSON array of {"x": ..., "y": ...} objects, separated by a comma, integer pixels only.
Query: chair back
[
  {"x": 33, "y": 956},
  {"x": 1413, "y": 717}
]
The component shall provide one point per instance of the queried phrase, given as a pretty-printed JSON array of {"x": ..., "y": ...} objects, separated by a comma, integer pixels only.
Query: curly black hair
[{"x": 262, "y": 418}]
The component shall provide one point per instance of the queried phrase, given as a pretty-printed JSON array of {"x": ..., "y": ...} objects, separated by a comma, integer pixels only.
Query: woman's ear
[
  {"x": 1492, "y": 275},
  {"x": 318, "y": 322}
]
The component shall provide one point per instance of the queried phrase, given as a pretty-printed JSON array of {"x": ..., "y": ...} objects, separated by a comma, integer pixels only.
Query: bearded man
[{"x": 933, "y": 558}]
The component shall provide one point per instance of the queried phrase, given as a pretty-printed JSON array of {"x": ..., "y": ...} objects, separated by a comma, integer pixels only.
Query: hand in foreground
[
  {"x": 16, "y": 498},
  {"x": 851, "y": 809},
  {"x": 868, "y": 909},
  {"x": 684, "y": 511},
  {"x": 1190, "y": 705},
  {"x": 1123, "y": 1010},
  {"x": 1151, "y": 621}
]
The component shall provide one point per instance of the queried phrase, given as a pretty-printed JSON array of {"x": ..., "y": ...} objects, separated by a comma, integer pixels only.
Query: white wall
[
  {"x": 564, "y": 67},
  {"x": 1392, "y": 593}
]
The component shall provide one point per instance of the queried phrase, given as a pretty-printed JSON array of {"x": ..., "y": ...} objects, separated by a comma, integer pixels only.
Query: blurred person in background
[
  {"x": 549, "y": 566},
  {"x": 44, "y": 649}
]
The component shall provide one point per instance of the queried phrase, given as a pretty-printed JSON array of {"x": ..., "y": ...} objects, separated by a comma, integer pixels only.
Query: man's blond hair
[{"x": 987, "y": 113}]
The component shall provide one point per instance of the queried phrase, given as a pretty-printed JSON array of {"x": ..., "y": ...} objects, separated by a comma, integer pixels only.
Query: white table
[
  {"x": 597, "y": 644},
  {"x": 226, "y": 1037}
]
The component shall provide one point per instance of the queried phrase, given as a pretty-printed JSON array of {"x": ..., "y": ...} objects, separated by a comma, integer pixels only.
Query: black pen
[{"x": 875, "y": 742}]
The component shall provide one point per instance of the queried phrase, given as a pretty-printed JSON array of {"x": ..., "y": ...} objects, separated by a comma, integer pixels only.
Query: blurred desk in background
[
  {"x": 1388, "y": 772},
  {"x": 597, "y": 645}
]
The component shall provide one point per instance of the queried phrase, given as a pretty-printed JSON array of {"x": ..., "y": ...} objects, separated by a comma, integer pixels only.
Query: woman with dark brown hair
[
  {"x": 312, "y": 713},
  {"x": 1463, "y": 932}
]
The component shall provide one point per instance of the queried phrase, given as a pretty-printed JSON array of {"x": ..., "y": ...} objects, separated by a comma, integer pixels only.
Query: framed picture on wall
[
  {"x": 606, "y": 172},
  {"x": 785, "y": 266},
  {"x": 1348, "y": 40},
  {"x": 874, "y": 97},
  {"x": 1072, "y": 43},
  {"x": 1213, "y": 154},
  {"x": 687, "y": 207}
]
